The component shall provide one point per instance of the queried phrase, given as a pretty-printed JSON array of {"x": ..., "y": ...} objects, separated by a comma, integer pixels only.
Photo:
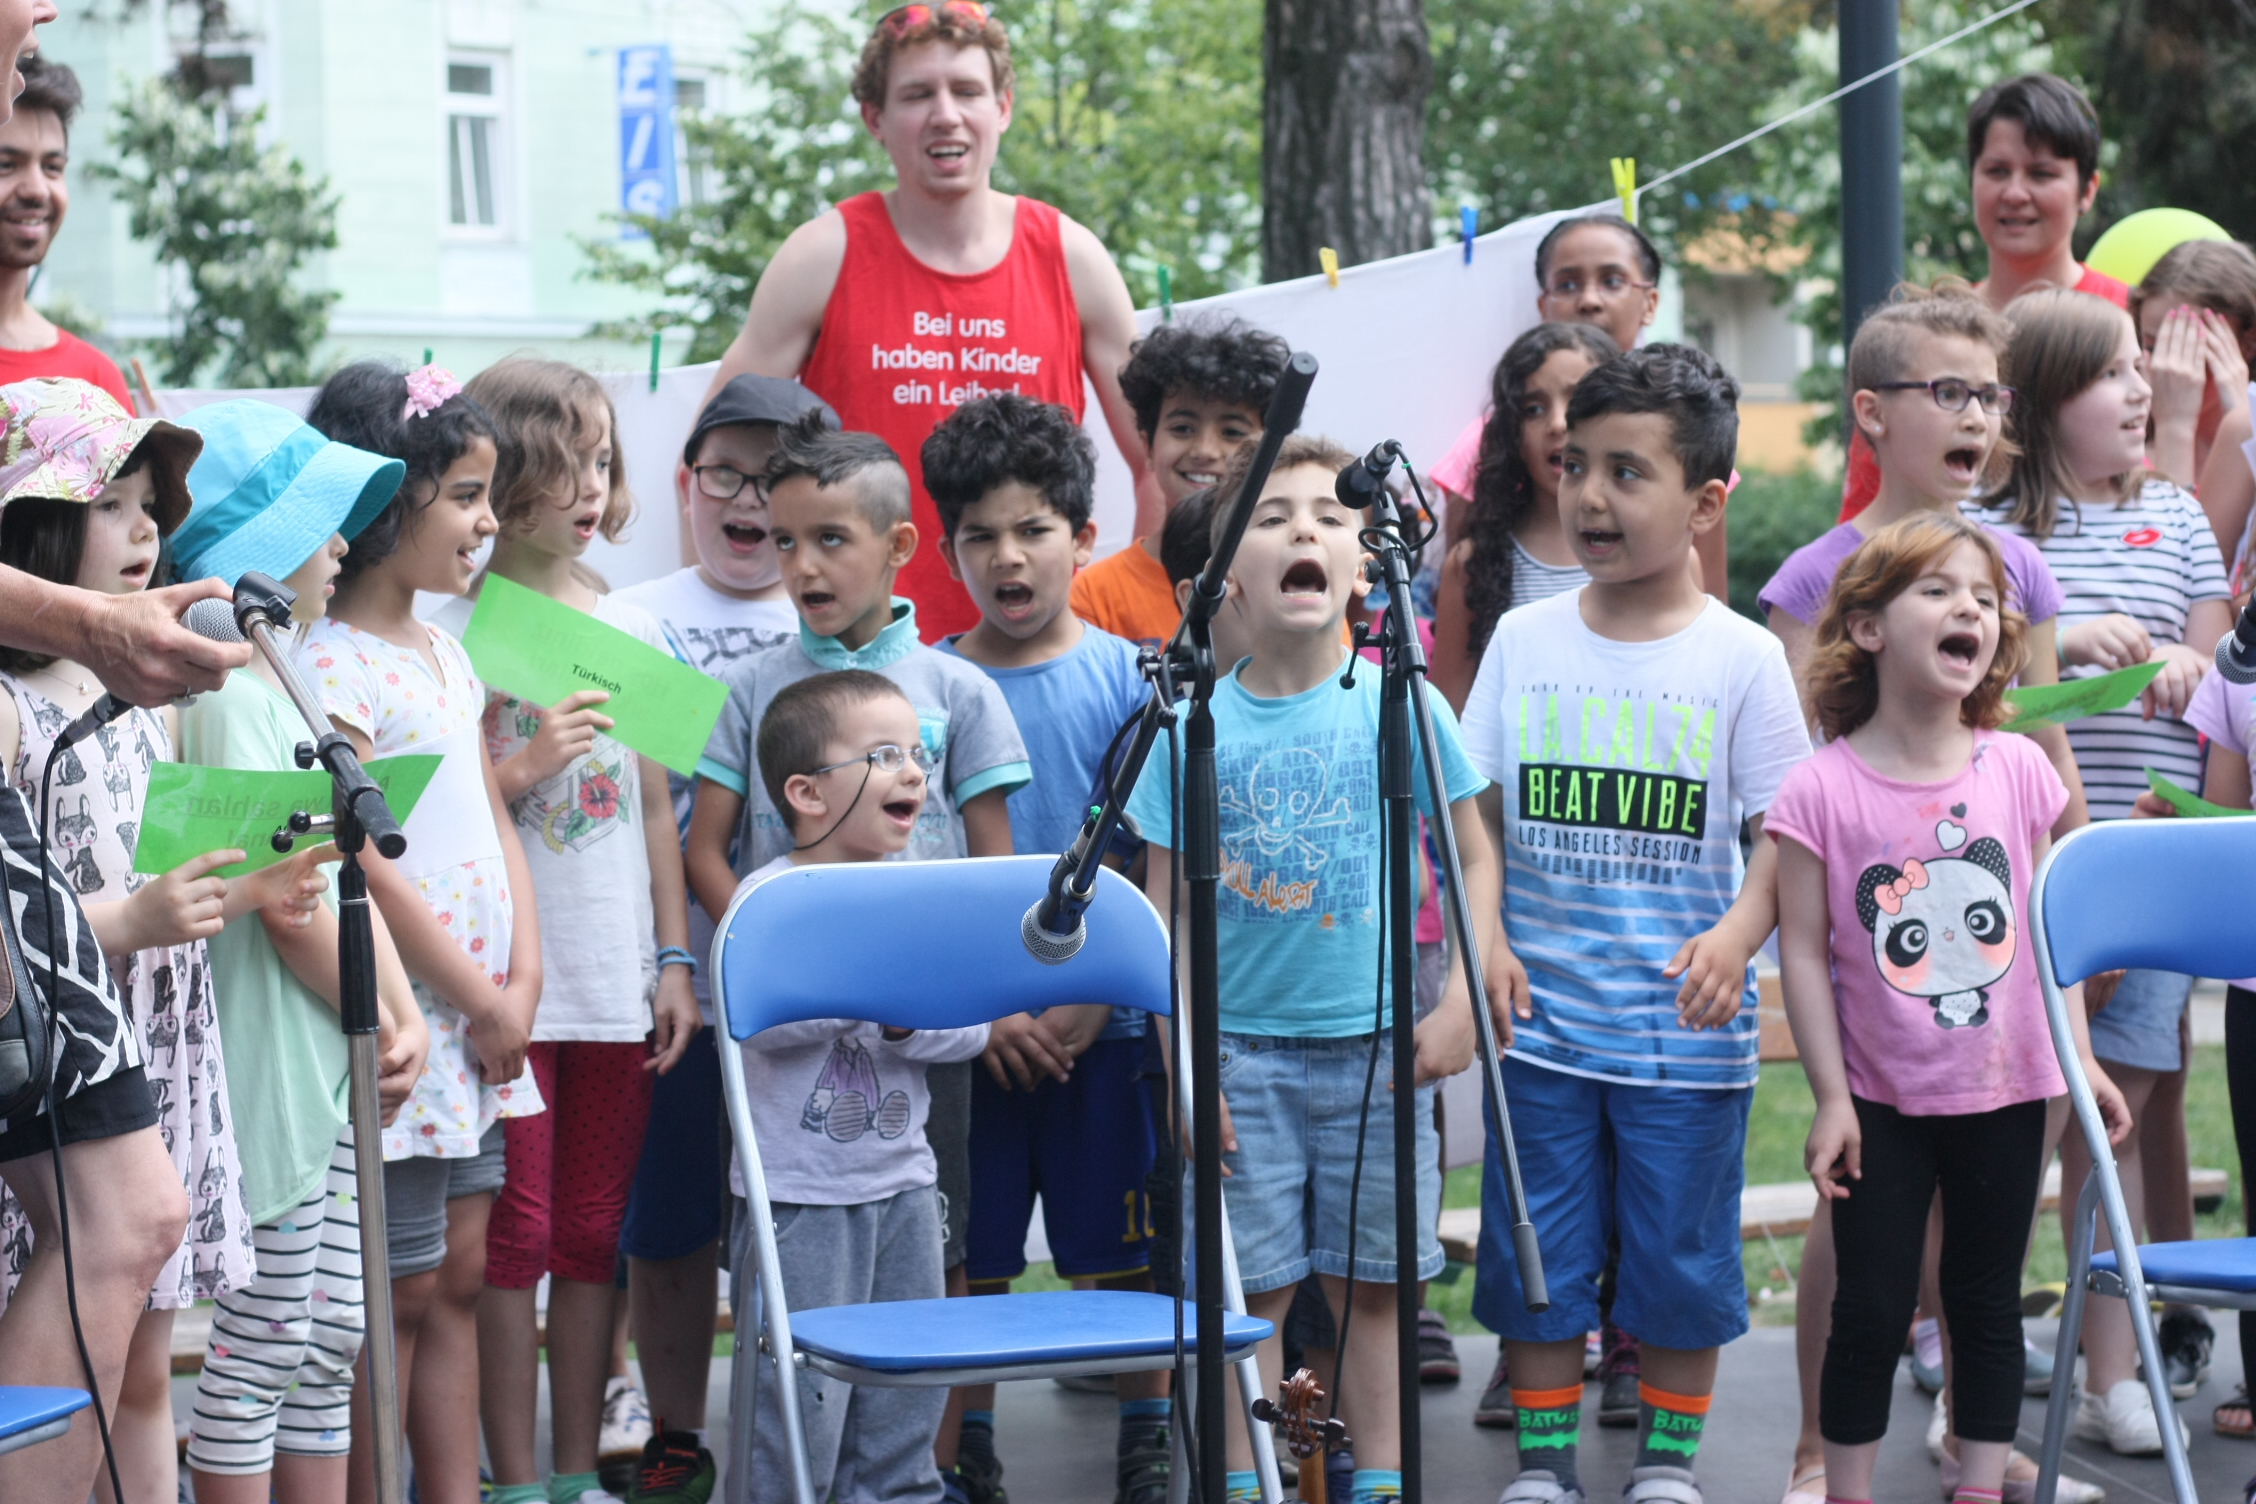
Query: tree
[
  {"x": 1136, "y": 117},
  {"x": 1343, "y": 132},
  {"x": 235, "y": 222},
  {"x": 1533, "y": 97}
]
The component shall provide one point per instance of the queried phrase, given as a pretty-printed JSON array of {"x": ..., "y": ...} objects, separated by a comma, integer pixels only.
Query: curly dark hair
[
  {"x": 1503, "y": 487},
  {"x": 1219, "y": 359},
  {"x": 1684, "y": 382},
  {"x": 361, "y": 406},
  {"x": 991, "y": 441}
]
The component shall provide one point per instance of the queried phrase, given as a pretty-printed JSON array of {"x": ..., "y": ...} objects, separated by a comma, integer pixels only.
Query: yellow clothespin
[
  {"x": 1330, "y": 261},
  {"x": 1625, "y": 185}
]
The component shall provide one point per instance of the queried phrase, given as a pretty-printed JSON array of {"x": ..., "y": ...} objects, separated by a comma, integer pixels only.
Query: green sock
[
  {"x": 1376, "y": 1484},
  {"x": 1669, "y": 1427},
  {"x": 517, "y": 1493},
  {"x": 1550, "y": 1426},
  {"x": 1242, "y": 1488},
  {"x": 566, "y": 1488}
]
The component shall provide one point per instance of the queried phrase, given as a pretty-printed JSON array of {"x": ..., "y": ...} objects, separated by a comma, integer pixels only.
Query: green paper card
[
  {"x": 2073, "y": 700},
  {"x": 191, "y": 810},
  {"x": 2189, "y": 804},
  {"x": 527, "y": 645}
]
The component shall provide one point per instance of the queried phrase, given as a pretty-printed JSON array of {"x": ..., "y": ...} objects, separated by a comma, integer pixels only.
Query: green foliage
[
  {"x": 1771, "y": 516},
  {"x": 236, "y": 222},
  {"x": 1800, "y": 167},
  {"x": 1139, "y": 118},
  {"x": 1532, "y": 97}
]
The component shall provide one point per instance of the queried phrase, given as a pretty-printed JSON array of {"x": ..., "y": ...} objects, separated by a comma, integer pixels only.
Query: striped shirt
[
  {"x": 2150, "y": 558},
  {"x": 1627, "y": 769}
]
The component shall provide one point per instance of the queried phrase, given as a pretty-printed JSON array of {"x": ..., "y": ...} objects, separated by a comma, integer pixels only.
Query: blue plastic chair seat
[
  {"x": 29, "y": 1414},
  {"x": 2205, "y": 1263},
  {"x": 1051, "y": 1326}
]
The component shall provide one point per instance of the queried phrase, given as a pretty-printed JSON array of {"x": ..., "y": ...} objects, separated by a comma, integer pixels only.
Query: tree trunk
[{"x": 1343, "y": 132}]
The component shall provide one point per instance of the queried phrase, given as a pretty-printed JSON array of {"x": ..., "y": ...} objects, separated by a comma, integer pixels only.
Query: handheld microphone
[
  {"x": 1360, "y": 483},
  {"x": 2236, "y": 650}
]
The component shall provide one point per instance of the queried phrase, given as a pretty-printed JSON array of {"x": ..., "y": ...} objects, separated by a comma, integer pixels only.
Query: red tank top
[{"x": 902, "y": 346}]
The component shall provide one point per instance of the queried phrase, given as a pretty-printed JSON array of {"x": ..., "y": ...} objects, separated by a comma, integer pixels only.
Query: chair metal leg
[
  {"x": 2071, "y": 1332},
  {"x": 2142, "y": 1326}
]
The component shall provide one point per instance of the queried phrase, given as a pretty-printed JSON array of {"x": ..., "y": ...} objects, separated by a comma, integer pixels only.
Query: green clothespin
[
  {"x": 1166, "y": 294},
  {"x": 656, "y": 345},
  {"x": 1625, "y": 186},
  {"x": 426, "y": 355}
]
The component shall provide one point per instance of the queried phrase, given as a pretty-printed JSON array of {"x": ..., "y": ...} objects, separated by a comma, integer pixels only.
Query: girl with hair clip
[
  {"x": 2143, "y": 583},
  {"x": 1906, "y": 845},
  {"x": 2196, "y": 315},
  {"x": 395, "y": 685},
  {"x": 89, "y": 501},
  {"x": 272, "y": 1416},
  {"x": 1515, "y": 549},
  {"x": 596, "y": 820}
]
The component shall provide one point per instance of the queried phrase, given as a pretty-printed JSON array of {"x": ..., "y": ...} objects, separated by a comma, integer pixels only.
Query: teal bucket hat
[{"x": 270, "y": 490}]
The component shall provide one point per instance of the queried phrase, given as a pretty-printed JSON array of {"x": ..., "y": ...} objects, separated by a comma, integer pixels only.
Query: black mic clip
[{"x": 263, "y": 599}]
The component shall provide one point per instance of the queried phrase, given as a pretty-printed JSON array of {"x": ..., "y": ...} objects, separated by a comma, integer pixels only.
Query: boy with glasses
[{"x": 840, "y": 1107}]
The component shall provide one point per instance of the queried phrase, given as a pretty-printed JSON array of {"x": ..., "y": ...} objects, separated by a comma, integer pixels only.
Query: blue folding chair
[
  {"x": 30, "y": 1415},
  {"x": 2132, "y": 893},
  {"x": 935, "y": 945}
]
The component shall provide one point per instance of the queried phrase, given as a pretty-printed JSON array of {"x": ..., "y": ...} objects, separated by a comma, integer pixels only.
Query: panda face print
[{"x": 1943, "y": 930}]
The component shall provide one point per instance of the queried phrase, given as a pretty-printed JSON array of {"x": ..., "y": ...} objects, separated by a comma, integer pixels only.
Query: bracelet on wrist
[{"x": 674, "y": 955}]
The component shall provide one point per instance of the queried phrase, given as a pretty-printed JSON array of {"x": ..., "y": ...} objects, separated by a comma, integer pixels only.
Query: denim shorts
[
  {"x": 1296, "y": 1105},
  {"x": 2139, "y": 1025},
  {"x": 1668, "y": 1184}
]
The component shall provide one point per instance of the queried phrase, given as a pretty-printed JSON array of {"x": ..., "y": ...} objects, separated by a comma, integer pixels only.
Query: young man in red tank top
[{"x": 898, "y": 307}]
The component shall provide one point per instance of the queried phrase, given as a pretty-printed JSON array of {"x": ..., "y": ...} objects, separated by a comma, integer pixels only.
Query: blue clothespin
[{"x": 1468, "y": 226}]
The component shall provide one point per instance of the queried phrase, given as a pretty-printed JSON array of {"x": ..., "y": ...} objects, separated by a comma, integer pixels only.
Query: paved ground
[{"x": 1057, "y": 1445}]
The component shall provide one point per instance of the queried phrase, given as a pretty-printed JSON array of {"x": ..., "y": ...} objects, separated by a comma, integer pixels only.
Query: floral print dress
[
  {"x": 392, "y": 696},
  {"x": 94, "y": 822}
]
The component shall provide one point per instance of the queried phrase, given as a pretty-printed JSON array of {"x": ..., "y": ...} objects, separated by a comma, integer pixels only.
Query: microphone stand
[
  {"x": 1402, "y": 674},
  {"x": 357, "y": 815}
]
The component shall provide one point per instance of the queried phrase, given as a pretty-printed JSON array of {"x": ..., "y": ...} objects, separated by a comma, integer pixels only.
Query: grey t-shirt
[{"x": 967, "y": 725}]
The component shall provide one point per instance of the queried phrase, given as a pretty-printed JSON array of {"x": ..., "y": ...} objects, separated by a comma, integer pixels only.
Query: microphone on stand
[
  {"x": 2236, "y": 650},
  {"x": 1053, "y": 930},
  {"x": 1360, "y": 483}
]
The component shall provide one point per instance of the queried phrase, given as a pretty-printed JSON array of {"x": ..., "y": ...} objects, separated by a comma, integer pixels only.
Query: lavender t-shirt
[
  {"x": 2225, "y": 712},
  {"x": 1927, "y": 884},
  {"x": 1806, "y": 578}
]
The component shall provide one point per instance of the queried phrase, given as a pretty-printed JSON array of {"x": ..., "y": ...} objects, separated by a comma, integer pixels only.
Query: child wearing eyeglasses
[
  {"x": 1925, "y": 392},
  {"x": 727, "y": 605},
  {"x": 840, "y": 1106}
]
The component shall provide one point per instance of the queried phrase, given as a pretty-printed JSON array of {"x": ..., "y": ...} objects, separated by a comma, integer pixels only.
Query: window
[
  {"x": 474, "y": 143},
  {"x": 694, "y": 164}
]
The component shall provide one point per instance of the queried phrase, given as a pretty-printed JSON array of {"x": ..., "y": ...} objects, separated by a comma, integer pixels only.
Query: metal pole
[
  {"x": 1202, "y": 866},
  {"x": 1872, "y": 220},
  {"x": 1398, "y": 796},
  {"x": 356, "y": 985}
]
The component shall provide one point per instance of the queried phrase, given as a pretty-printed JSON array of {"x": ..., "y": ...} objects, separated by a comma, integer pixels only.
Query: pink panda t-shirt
[{"x": 1928, "y": 886}]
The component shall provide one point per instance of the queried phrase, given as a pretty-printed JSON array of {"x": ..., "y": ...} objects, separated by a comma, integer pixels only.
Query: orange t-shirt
[{"x": 1128, "y": 595}]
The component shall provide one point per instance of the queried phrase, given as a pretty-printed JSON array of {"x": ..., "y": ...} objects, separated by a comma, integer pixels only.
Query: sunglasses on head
[{"x": 903, "y": 19}]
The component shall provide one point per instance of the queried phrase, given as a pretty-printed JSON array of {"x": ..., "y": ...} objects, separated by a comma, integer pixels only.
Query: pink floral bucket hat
[{"x": 65, "y": 440}]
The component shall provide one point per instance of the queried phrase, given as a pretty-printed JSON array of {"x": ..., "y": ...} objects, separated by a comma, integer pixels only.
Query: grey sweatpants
[{"x": 864, "y": 1444}]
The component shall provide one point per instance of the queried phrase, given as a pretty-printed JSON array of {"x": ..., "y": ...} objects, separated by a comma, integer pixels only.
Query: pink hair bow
[
  {"x": 427, "y": 387},
  {"x": 1890, "y": 896}
]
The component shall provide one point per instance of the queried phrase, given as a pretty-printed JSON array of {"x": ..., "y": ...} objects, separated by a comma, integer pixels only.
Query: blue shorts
[
  {"x": 1296, "y": 1105},
  {"x": 1085, "y": 1145},
  {"x": 1669, "y": 1185},
  {"x": 679, "y": 1202},
  {"x": 2139, "y": 1025}
]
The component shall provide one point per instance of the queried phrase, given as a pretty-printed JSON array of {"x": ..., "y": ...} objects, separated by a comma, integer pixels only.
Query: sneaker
[
  {"x": 1927, "y": 1354},
  {"x": 1617, "y": 1377},
  {"x": 2186, "y": 1338},
  {"x": 626, "y": 1422},
  {"x": 1593, "y": 1354},
  {"x": 2023, "y": 1489},
  {"x": 674, "y": 1470},
  {"x": 1495, "y": 1409},
  {"x": 1539, "y": 1486},
  {"x": 1339, "y": 1474},
  {"x": 1937, "y": 1424},
  {"x": 982, "y": 1479},
  {"x": 1662, "y": 1485},
  {"x": 952, "y": 1490},
  {"x": 1141, "y": 1472},
  {"x": 1437, "y": 1351},
  {"x": 2036, "y": 1372},
  {"x": 2123, "y": 1418}
]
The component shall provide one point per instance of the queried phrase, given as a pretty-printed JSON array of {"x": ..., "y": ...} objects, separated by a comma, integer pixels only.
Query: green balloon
[{"x": 2131, "y": 246}]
